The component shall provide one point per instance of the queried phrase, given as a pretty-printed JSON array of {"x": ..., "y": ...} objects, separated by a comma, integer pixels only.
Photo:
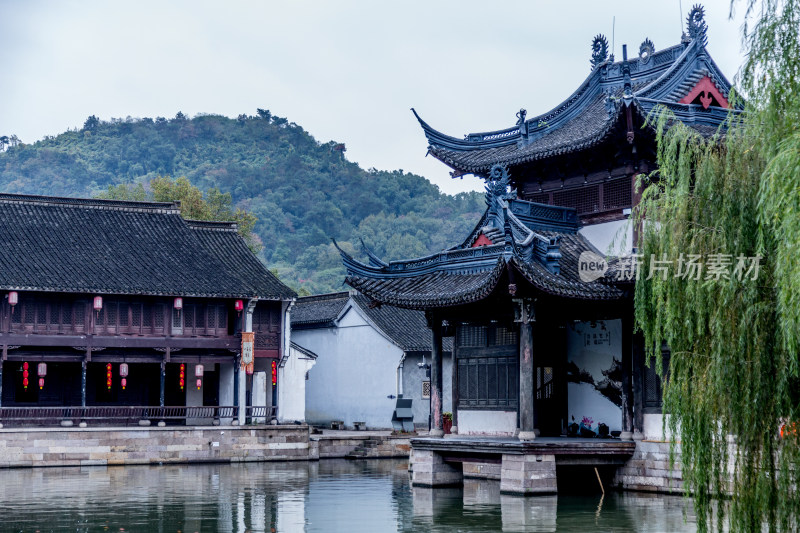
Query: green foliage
[
  {"x": 733, "y": 376},
  {"x": 300, "y": 192}
]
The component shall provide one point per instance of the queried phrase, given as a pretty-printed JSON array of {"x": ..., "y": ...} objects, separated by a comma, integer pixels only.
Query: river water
[{"x": 330, "y": 495}]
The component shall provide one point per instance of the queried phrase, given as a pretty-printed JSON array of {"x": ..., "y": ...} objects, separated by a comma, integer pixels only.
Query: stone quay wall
[
  {"x": 358, "y": 446},
  {"x": 153, "y": 445},
  {"x": 648, "y": 469}
]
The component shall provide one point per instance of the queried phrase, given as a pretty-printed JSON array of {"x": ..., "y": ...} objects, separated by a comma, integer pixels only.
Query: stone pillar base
[
  {"x": 626, "y": 435},
  {"x": 454, "y": 430},
  {"x": 527, "y": 435},
  {"x": 66, "y": 423},
  {"x": 82, "y": 425},
  {"x": 144, "y": 422},
  {"x": 638, "y": 435},
  {"x": 528, "y": 475},
  {"x": 436, "y": 433},
  {"x": 161, "y": 424},
  {"x": 431, "y": 471}
]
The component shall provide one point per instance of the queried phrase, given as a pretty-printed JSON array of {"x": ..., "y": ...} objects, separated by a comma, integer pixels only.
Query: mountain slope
[{"x": 303, "y": 192}]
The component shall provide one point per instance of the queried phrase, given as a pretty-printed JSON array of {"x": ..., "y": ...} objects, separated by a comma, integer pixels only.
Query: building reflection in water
[{"x": 333, "y": 495}]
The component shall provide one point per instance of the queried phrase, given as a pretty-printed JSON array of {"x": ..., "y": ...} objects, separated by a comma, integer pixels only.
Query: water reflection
[{"x": 370, "y": 496}]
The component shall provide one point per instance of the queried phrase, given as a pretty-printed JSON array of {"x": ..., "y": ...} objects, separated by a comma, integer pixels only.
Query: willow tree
[{"x": 732, "y": 201}]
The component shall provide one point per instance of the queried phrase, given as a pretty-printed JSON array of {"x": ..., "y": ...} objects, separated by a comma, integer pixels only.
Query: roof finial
[
  {"x": 646, "y": 51},
  {"x": 599, "y": 50},
  {"x": 626, "y": 71},
  {"x": 521, "y": 116},
  {"x": 696, "y": 24},
  {"x": 499, "y": 184}
]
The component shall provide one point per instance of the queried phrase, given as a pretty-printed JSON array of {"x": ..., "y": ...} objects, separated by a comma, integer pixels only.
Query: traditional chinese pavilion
[
  {"x": 114, "y": 303},
  {"x": 539, "y": 346}
]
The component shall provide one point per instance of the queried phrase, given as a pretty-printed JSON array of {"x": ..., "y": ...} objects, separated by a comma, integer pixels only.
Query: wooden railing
[{"x": 126, "y": 415}]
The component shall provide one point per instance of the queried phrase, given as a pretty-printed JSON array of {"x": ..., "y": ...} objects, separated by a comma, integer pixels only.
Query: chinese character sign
[{"x": 248, "y": 340}]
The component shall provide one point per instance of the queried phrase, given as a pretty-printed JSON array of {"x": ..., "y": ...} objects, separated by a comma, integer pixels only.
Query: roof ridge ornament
[
  {"x": 599, "y": 50},
  {"x": 646, "y": 51},
  {"x": 498, "y": 185},
  {"x": 696, "y": 24}
]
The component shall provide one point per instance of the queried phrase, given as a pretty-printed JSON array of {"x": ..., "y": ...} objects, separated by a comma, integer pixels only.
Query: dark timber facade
[
  {"x": 511, "y": 294},
  {"x": 96, "y": 289}
]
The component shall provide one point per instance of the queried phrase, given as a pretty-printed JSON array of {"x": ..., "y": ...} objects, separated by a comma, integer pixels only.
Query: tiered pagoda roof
[
  {"x": 683, "y": 78},
  {"x": 539, "y": 243},
  {"x": 120, "y": 247}
]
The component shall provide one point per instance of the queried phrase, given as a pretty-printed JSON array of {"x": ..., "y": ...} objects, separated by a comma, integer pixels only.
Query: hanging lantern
[
  {"x": 41, "y": 371},
  {"x": 123, "y": 373},
  {"x": 248, "y": 369},
  {"x": 13, "y": 299},
  {"x": 199, "y": 383},
  {"x": 183, "y": 376},
  {"x": 177, "y": 303},
  {"x": 109, "y": 375},
  {"x": 98, "y": 303},
  {"x": 274, "y": 373},
  {"x": 239, "y": 305},
  {"x": 198, "y": 373},
  {"x": 25, "y": 375}
]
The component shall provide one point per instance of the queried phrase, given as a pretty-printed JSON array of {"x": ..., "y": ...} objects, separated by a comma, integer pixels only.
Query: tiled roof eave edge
[{"x": 97, "y": 291}]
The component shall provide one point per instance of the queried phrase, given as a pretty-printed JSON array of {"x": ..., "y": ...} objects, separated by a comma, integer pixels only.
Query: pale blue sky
[{"x": 344, "y": 70}]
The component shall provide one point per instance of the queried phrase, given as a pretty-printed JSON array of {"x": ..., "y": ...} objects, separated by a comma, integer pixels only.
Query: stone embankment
[
  {"x": 361, "y": 444},
  {"x": 103, "y": 446}
]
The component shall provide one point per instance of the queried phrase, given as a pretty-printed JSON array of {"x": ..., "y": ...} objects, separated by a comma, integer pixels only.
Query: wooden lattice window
[
  {"x": 471, "y": 335},
  {"x": 617, "y": 194},
  {"x": 488, "y": 383},
  {"x": 426, "y": 390},
  {"x": 583, "y": 200}
]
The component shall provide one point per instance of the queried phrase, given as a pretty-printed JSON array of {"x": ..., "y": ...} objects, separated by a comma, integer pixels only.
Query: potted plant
[
  {"x": 586, "y": 430},
  {"x": 447, "y": 422}
]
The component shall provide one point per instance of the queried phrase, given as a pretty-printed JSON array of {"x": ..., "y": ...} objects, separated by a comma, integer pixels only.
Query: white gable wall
[{"x": 354, "y": 373}]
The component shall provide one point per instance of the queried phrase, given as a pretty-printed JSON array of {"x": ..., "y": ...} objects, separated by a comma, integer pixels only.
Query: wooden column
[
  {"x": 83, "y": 383},
  {"x": 627, "y": 368},
  {"x": 525, "y": 317},
  {"x": 162, "y": 383},
  {"x": 454, "y": 382},
  {"x": 437, "y": 422},
  {"x": 1, "y": 381}
]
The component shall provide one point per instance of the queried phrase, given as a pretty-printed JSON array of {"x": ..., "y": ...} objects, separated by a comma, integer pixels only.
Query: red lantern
[
  {"x": 13, "y": 299},
  {"x": 25, "y": 375},
  {"x": 41, "y": 383},
  {"x": 98, "y": 303},
  {"x": 178, "y": 303},
  {"x": 248, "y": 369},
  {"x": 183, "y": 375},
  {"x": 123, "y": 382},
  {"x": 199, "y": 383},
  {"x": 274, "y": 373},
  {"x": 109, "y": 375},
  {"x": 239, "y": 306}
]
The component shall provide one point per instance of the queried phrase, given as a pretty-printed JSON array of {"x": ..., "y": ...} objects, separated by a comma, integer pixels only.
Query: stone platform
[{"x": 524, "y": 468}]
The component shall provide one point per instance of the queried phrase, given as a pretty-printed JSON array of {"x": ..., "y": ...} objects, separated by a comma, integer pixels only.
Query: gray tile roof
[
  {"x": 318, "y": 311},
  {"x": 116, "y": 247}
]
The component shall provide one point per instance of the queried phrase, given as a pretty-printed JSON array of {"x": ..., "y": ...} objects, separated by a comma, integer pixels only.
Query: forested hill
[{"x": 303, "y": 192}]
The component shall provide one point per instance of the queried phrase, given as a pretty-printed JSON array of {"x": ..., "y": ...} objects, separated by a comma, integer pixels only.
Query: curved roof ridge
[{"x": 217, "y": 225}]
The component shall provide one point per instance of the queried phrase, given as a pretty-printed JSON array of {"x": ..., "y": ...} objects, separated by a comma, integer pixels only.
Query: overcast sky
[{"x": 344, "y": 70}]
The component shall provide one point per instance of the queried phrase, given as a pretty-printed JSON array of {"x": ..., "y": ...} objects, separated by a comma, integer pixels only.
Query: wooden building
[
  {"x": 559, "y": 188},
  {"x": 128, "y": 304}
]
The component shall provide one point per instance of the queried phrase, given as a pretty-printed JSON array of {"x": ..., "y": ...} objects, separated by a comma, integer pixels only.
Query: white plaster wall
[
  {"x": 226, "y": 376},
  {"x": 354, "y": 373},
  {"x": 652, "y": 429},
  {"x": 487, "y": 422},
  {"x": 259, "y": 397},
  {"x": 292, "y": 387},
  {"x": 612, "y": 238},
  {"x": 593, "y": 348},
  {"x": 413, "y": 376}
]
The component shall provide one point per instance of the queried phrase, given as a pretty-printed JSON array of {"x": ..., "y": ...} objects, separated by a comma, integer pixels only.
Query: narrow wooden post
[
  {"x": 437, "y": 427},
  {"x": 454, "y": 383},
  {"x": 83, "y": 383},
  {"x": 525, "y": 317},
  {"x": 1, "y": 382},
  {"x": 627, "y": 366},
  {"x": 163, "y": 382}
]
